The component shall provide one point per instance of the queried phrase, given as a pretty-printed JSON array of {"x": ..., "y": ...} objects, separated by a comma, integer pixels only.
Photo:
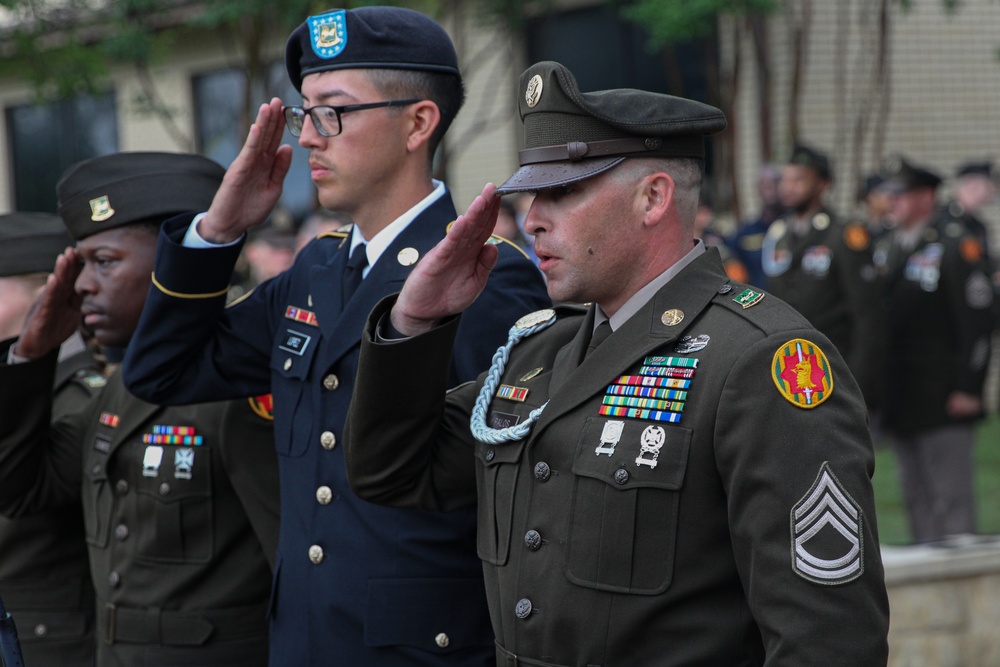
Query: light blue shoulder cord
[{"x": 494, "y": 436}]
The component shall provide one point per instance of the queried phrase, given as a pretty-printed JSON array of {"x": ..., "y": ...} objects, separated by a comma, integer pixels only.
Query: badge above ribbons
[{"x": 802, "y": 373}]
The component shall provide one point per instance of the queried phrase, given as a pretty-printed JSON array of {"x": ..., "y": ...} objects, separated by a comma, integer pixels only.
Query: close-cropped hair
[
  {"x": 445, "y": 90},
  {"x": 686, "y": 172}
]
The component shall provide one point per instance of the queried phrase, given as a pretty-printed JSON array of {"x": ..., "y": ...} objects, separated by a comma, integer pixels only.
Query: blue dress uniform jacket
[
  {"x": 178, "y": 535},
  {"x": 44, "y": 576},
  {"x": 752, "y": 541},
  {"x": 356, "y": 584}
]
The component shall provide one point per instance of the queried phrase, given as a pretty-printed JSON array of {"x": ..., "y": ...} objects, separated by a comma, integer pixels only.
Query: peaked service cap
[
  {"x": 30, "y": 243},
  {"x": 570, "y": 135}
]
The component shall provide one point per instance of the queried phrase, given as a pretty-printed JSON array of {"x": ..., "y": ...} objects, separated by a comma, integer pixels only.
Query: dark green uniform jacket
[
  {"x": 742, "y": 534},
  {"x": 44, "y": 579},
  {"x": 938, "y": 300},
  {"x": 827, "y": 274},
  {"x": 180, "y": 511}
]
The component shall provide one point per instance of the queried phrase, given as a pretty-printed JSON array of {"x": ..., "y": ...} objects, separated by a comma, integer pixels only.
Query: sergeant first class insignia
[
  {"x": 826, "y": 532},
  {"x": 802, "y": 374},
  {"x": 659, "y": 391}
]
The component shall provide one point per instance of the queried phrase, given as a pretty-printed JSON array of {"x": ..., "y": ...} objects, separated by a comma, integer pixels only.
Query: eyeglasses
[{"x": 326, "y": 119}]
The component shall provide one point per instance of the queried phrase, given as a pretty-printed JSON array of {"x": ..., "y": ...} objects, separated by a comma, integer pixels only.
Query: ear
[
  {"x": 656, "y": 196},
  {"x": 424, "y": 117}
]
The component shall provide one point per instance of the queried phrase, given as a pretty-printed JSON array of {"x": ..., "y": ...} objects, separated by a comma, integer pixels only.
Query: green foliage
[{"x": 673, "y": 21}]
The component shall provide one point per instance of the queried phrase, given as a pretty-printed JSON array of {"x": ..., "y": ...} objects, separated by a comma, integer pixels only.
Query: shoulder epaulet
[
  {"x": 341, "y": 233},
  {"x": 495, "y": 240}
]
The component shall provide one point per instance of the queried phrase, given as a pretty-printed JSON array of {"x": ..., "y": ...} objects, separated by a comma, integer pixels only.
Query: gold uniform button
[
  {"x": 331, "y": 382},
  {"x": 442, "y": 640},
  {"x": 328, "y": 440},
  {"x": 288, "y": 364},
  {"x": 316, "y": 554},
  {"x": 324, "y": 495}
]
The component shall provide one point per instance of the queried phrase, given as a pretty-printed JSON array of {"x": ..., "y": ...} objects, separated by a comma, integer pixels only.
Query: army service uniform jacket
[
  {"x": 741, "y": 533},
  {"x": 938, "y": 300},
  {"x": 356, "y": 584},
  {"x": 180, "y": 513},
  {"x": 44, "y": 576},
  {"x": 827, "y": 274}
]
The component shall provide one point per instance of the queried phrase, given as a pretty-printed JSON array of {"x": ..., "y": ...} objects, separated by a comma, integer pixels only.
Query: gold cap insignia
[
  {"x": 100, "y": 209},
  {"x": 533, "y": 92}
]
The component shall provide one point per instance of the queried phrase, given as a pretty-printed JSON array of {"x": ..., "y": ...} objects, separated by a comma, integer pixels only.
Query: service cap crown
[
  {"x": 30, "y": 243},
  {"x": 570, "y": 135},
  {"x": 125, "y": 188},
  {"x": 984, "y": 168},
  {"x": 369, "y": 38},
  {"x": 812, "y": 158},
  {"x": 901, "y": 175}
]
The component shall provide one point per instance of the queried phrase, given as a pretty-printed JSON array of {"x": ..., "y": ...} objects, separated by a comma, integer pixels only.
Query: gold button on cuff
[
  {"x": 316, "y": 554},
  {"x": 324, "y": 495},
  {"x": 331, "y": 382}
]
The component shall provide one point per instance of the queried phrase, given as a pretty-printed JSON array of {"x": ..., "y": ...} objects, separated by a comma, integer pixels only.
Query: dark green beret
[
  {"x": 125, "y": 188},
  {"x": 30, "y": 243},
  {"x": 569, "y": 135},
  {"x": 975, "y": 169},
  {"x": 902, "y": 175},
  {"x": 812, "y": 158},
  {"x": 369, "y": 38}
]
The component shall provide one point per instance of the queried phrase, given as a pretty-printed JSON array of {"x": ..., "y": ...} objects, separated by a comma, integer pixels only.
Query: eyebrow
[{"x": 326, "y": 95}]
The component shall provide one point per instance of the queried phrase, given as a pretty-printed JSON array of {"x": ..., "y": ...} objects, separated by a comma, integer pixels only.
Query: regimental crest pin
[
  {"x": 826, "y": 533},
  {"x": 100, "y": 209},
  {"x": 328, "y": 34},
  {"x": 748, "y": 297}
]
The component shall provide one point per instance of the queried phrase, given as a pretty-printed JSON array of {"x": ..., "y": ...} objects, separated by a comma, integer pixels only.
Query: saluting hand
[
  {"x": 253, "y": 182},
  {"x": 55, "y": 314},
  {"x": 450, "y": 277}
]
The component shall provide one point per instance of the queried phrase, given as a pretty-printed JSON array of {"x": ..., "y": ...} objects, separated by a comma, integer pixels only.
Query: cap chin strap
[
  {"x": 693, "y": 147},
  {"x": 495, "y": 436}
]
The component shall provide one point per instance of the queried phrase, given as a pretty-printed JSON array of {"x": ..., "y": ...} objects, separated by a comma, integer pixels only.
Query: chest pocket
[
  {"x": 623, "y": 530},
  {"x": 291, "y": 362},
  {"x": 497, "y": 470},
  {"x": 172, "y": 520}
]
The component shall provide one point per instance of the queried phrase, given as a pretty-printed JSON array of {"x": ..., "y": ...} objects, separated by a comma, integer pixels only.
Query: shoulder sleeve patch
[
  {"x": 263, "y": 406},
  {"x": 802, "y": 373},
  {"x": 856, "y": 237},
  {"x": 971, "y": 249},
  {"x": 827, "y": 537}
]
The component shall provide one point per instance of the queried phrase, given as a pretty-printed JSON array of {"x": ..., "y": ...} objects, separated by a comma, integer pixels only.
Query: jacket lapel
[{"x": 689, "y": 292}]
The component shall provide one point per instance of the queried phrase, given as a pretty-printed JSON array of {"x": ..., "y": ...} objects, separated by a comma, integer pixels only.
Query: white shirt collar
[{"x": 378, "y": 243}]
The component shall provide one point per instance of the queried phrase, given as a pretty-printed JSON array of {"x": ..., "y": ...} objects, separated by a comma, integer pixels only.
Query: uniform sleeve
[
  {"x": 965, "y": 276},
  {"x": 189, "y": 347},
  {"x": 514, "y": 289},
  {"x": 40, "y": 462},
  {"x": 252, "y": 467},
  {"x": 800, "y": 502},
  {"x": 407, "y": 440}
]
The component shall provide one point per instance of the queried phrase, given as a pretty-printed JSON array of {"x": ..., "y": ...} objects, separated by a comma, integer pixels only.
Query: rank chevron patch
[{"x": 827, "y": 538}]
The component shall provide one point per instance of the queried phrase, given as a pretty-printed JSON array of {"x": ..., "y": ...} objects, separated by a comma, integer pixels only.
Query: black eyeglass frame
[{"x": 295, "y": 117}]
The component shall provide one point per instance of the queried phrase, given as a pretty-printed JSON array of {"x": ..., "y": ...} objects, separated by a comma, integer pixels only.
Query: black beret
[
  {"x": 124, "y": 188},
  {"x": 570, "y": 136},
  {"x": 30, "y": 243},
  {"x": 976, "y": 169},
  {"x": 902, "y": 175},
  {"x": 812, "y": 158},
  {"x": 368, "y": 38},
  {"x": 868, "y": 184}
]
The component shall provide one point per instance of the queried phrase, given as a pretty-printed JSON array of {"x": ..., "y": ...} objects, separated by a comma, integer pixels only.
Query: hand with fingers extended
[
  {"x": 55, "y": 315},
  {"x": 450, "y": 277},
  {"x": 253, "y": 182}
]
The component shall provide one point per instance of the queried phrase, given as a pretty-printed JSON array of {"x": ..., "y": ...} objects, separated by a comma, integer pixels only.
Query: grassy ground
[{"x": 889, "y": 502}]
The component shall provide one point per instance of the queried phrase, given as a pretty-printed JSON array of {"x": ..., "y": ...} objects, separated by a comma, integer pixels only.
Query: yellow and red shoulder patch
[
  {"x": 971, "y": 249},
  {"x": 856, "y": 237},
  {"x": 263, "y": 406},
  {"x": 802, "y": 373}
]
